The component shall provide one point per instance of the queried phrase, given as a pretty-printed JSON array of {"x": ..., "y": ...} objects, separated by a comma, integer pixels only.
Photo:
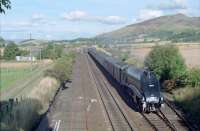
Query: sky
[{"x": 70, "y": 19}]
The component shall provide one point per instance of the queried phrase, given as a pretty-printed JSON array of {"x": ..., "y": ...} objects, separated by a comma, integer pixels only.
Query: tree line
[{"x": 50, "y": 51}]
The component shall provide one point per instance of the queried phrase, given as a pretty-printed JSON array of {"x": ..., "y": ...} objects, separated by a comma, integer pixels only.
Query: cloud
[
  {"x": 75, "y": 15},
  {"x": 37, "y": 16},
  {"x": 84, "y": 16},
  {"x": 170, "y": 5},
  {"x": 38, "y": 19},
  {"x": 14, "y": 24},
  {"x": 183, "y": 2},
  {"x": 146, "y": 14}
]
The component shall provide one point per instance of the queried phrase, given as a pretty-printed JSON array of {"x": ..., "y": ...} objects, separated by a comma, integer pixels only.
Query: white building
[{"x": 25, "y": 58}]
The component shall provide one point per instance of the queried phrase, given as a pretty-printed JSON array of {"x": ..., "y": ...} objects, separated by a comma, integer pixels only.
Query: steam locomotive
[{"x": 141, "y": 84}]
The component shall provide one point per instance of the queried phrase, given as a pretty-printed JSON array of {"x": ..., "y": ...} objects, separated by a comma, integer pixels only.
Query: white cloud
[
  {"x": 37, "y": 16},
  {"x": 170, "y": 5},
  {"x": 15, "y": 24},
  {"x": 111, "y": 20},
  {"x": 75, "y": 15},
  {"x": 36, "y": 20},
  {"x": 84, "y": 16},
  {"x": 146, "y": 14},
  {"x": 182, "y": 2}
]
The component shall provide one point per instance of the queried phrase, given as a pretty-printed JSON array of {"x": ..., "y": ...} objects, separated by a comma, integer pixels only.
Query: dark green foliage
[
  {"x": 24, "y": 52},
  {"x": 163, "y": 35},
  {"x": 4, "y": 4},
  {"x": 189, "y": 36},
  {"x": 62, "y": 68},
  {"x": 193, "y": 78},
  {"x": 11, "y": 50},
  {"x": 2, "y": 42},
  {"x": 166, "y": 62},
  {"x": 52, "y": 51}
]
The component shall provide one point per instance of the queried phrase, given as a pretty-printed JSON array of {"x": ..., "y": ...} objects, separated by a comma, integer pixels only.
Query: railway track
[
  {"x": 167, "y": 119},
  {"x": 158, "y": 122},
  {"x": 118, "y": 120},
  {"x": 180, "y": 123}
]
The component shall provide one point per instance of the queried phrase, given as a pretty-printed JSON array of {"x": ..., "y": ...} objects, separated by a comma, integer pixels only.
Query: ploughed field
[{"x": 191, "y": 54}]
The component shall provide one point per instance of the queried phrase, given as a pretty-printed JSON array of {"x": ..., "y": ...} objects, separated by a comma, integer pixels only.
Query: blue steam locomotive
[{"x": 141, "y": 84}]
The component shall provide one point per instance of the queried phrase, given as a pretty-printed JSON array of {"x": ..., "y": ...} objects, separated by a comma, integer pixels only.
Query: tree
[
  {"x": 166, "y": 62},
  {"x": 11, "y": 50},
  {"x": 52, "y": 51},
  {"x": 24, "y": 52},
  {"x": 4, "y": 4},
  {"x": 2, "y": 42}
]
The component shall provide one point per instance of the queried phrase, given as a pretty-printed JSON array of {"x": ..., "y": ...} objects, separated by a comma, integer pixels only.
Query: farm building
[{"x": 25, "y": 58}]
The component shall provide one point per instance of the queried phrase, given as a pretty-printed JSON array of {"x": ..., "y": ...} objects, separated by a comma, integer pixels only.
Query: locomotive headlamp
[{"x": 161, "y": 98}]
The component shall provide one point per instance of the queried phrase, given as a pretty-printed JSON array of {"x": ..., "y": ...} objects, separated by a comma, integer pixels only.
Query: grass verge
[{"x": 189, "y": 100}]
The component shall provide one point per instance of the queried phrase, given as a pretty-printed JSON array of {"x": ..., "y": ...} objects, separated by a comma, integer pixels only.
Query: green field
[{"x": 10, "y": 76}]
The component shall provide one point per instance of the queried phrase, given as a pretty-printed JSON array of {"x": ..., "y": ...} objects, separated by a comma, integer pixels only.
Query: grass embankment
[
  {"x": 189, "y": 97},
  {"x": 24, "y": 115}
]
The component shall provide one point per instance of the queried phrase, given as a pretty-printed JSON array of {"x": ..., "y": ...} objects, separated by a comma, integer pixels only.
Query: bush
[
  {"x": 62, "y": 68},
  {"x": 11, "y": 50},
  {"x": 52, "y": 51},
  {"x": 193, "y": 78},
  {"x": 166, "y": 62}
]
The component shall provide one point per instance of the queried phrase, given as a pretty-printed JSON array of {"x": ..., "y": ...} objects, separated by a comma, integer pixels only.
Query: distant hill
[
  {"x": 172, "y": 27},
  {"x": 33, "y": 42}
]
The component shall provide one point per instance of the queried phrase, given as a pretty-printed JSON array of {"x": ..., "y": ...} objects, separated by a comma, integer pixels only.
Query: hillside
[
  {"x": 173, "y": 27},
  {"x": 33, "y": 42}
]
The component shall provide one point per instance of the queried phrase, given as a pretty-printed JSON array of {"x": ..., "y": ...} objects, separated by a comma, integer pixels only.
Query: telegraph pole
[
  {"x": 40, "y": 54},
  {"x": 30, "y": 36}
]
